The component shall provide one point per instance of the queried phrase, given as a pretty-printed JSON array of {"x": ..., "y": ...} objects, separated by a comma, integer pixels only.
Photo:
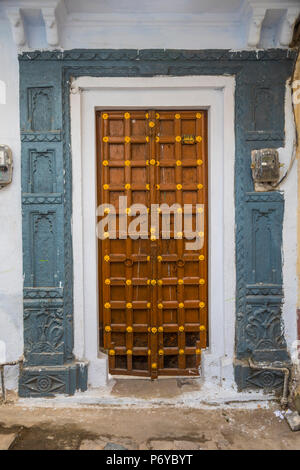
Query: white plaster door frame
[{"x": 214, "y": 93}]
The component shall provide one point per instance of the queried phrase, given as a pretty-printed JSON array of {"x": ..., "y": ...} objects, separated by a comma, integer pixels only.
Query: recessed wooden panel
[{"x": 153, "y": 292}]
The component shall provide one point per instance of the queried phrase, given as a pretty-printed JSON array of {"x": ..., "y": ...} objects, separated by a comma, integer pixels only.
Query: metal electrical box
[
  {"x": 265, "y": 165},
  {"x": 6, "y": 165}
]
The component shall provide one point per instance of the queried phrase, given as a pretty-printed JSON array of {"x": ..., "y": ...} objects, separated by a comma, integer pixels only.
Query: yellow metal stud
[
  {"x": 128, "y": 282},
  {"x": 106, "y": 186},
  {"x": 127, "y": 162},
  {"x": 149, "y": 352},
  {"x": 198, "y": 115},
  {"x": 148, "y": 187},
  {"x": 181, "y": 328},
  {"x": 129, "y": 329},
  {"x": 152, "y": 162},
  {"x": 111, "y": 352},
  {"x": 181, "y": 305},
  {"x": 201, "y": 304},
  {"x": 106, "y": 210},
  {"x": 147, "y": 115},
  {"x": 147, "y": 139},
  {"x": 159, "y": 259},
  {"x": 157, "y": 186},
  {"x": 129, "y": 305},
  {"x": 178, "y": 162},
  {"x": 105, "y": 116},
  {"x": 127, "y": 139},
  {"x": 107, "y": 282},
  {"x": 179, "y": 187},
  {"x": 127, "y": 115},
  {"x": 148, "y": 258},
  {"x": 159, "y": 282},
  {"x": 105, "y": 139},
  {"x": 157, "y": 139},
  {"x": 105, "y": 163},
  {"x": 198, "y": 351},
  {"x": 154, "y": 330},
  {"x": 200, "y": 186},
  {"x": 106, "y": 258},
  {"x": 161, "y": 352},
  {"x": 154, "y": 365},
  {"x": 181, "y": 352},
  {"x": 107, "y": 329},
  {"x": 129, "y": 352},
  {"x": 177, "y": 116},
  {"x": 153, "y": 282},
  {"x": 107, "y": 305},
  {"x": 199, "y": 138},
  {"x": 106, "y": 234},
  {"x": 202, "y": 281},
  {"x": 160, "y": 329},
  {"x": 127, "y": 186},
  {"x": 199, "y": 162},
  {"x": 157, "y": 116},
  {"x": 151, "y": 124},
  {"x": 160, "y": 306},
  {"x": 180, "y": 282},
  {"x": 178, "y": 138},
  {"x": 202, "y": 328},
  {"x": 148, "y": 305},
  {"x": 201, "y": 257}
]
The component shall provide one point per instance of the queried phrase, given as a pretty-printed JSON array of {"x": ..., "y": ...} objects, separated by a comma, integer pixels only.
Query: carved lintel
[
  {"x": 288, "y": 24},
  {"x": 255, "y": 23},
  {"x": 17, "y": 26},
  {"x": 51, "y": 25}
]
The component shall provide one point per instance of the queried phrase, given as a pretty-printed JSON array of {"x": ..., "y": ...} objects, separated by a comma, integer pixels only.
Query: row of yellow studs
[
  {"x": 157, "y": 186},
  {"x": 127, "y": 211},
  {"x": 159, "y": 258},
  {"x": 160, "y": 352},
  {"x": 179, "y": 235},
  {"x": 129, "y": 305},
  {"x": 153, "y": 282},
  {"x": 152, "y": 162},
  {"x": 127, "y": 139},
  {"x": 157, "y": 116},
  {"x": 153, "y": 330}
]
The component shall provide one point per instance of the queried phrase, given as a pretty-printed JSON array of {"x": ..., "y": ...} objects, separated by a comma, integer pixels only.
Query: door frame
[{"x": 215, "y": 93}]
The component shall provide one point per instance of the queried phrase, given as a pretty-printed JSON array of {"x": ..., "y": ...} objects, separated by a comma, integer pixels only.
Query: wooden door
[{"x": 153, "y": 291}]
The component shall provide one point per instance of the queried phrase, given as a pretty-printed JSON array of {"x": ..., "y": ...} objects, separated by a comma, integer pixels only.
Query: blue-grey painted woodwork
[{"x": 46, "y": 200}]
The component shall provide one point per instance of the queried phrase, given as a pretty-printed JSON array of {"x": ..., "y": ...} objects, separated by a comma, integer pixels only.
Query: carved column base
[
  {"x": 266, "y": 380},
  {"x": 49, "y": 381}
]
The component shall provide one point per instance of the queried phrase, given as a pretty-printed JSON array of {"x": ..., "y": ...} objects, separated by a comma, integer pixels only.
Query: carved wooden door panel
[{"x": 153, "y": 289}]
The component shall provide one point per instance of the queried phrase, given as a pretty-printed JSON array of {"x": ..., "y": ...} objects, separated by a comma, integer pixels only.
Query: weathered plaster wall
[{"x": 11, "y": 308}]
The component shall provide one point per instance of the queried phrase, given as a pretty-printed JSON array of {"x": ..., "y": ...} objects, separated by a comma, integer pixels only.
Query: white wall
[{"x": 11, "y": 316}]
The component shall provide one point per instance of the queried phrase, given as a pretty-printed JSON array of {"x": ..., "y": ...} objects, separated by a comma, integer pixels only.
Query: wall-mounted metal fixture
[
  {"x": 265, "y": 166},
  {"x": 6, "y": 165}
]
